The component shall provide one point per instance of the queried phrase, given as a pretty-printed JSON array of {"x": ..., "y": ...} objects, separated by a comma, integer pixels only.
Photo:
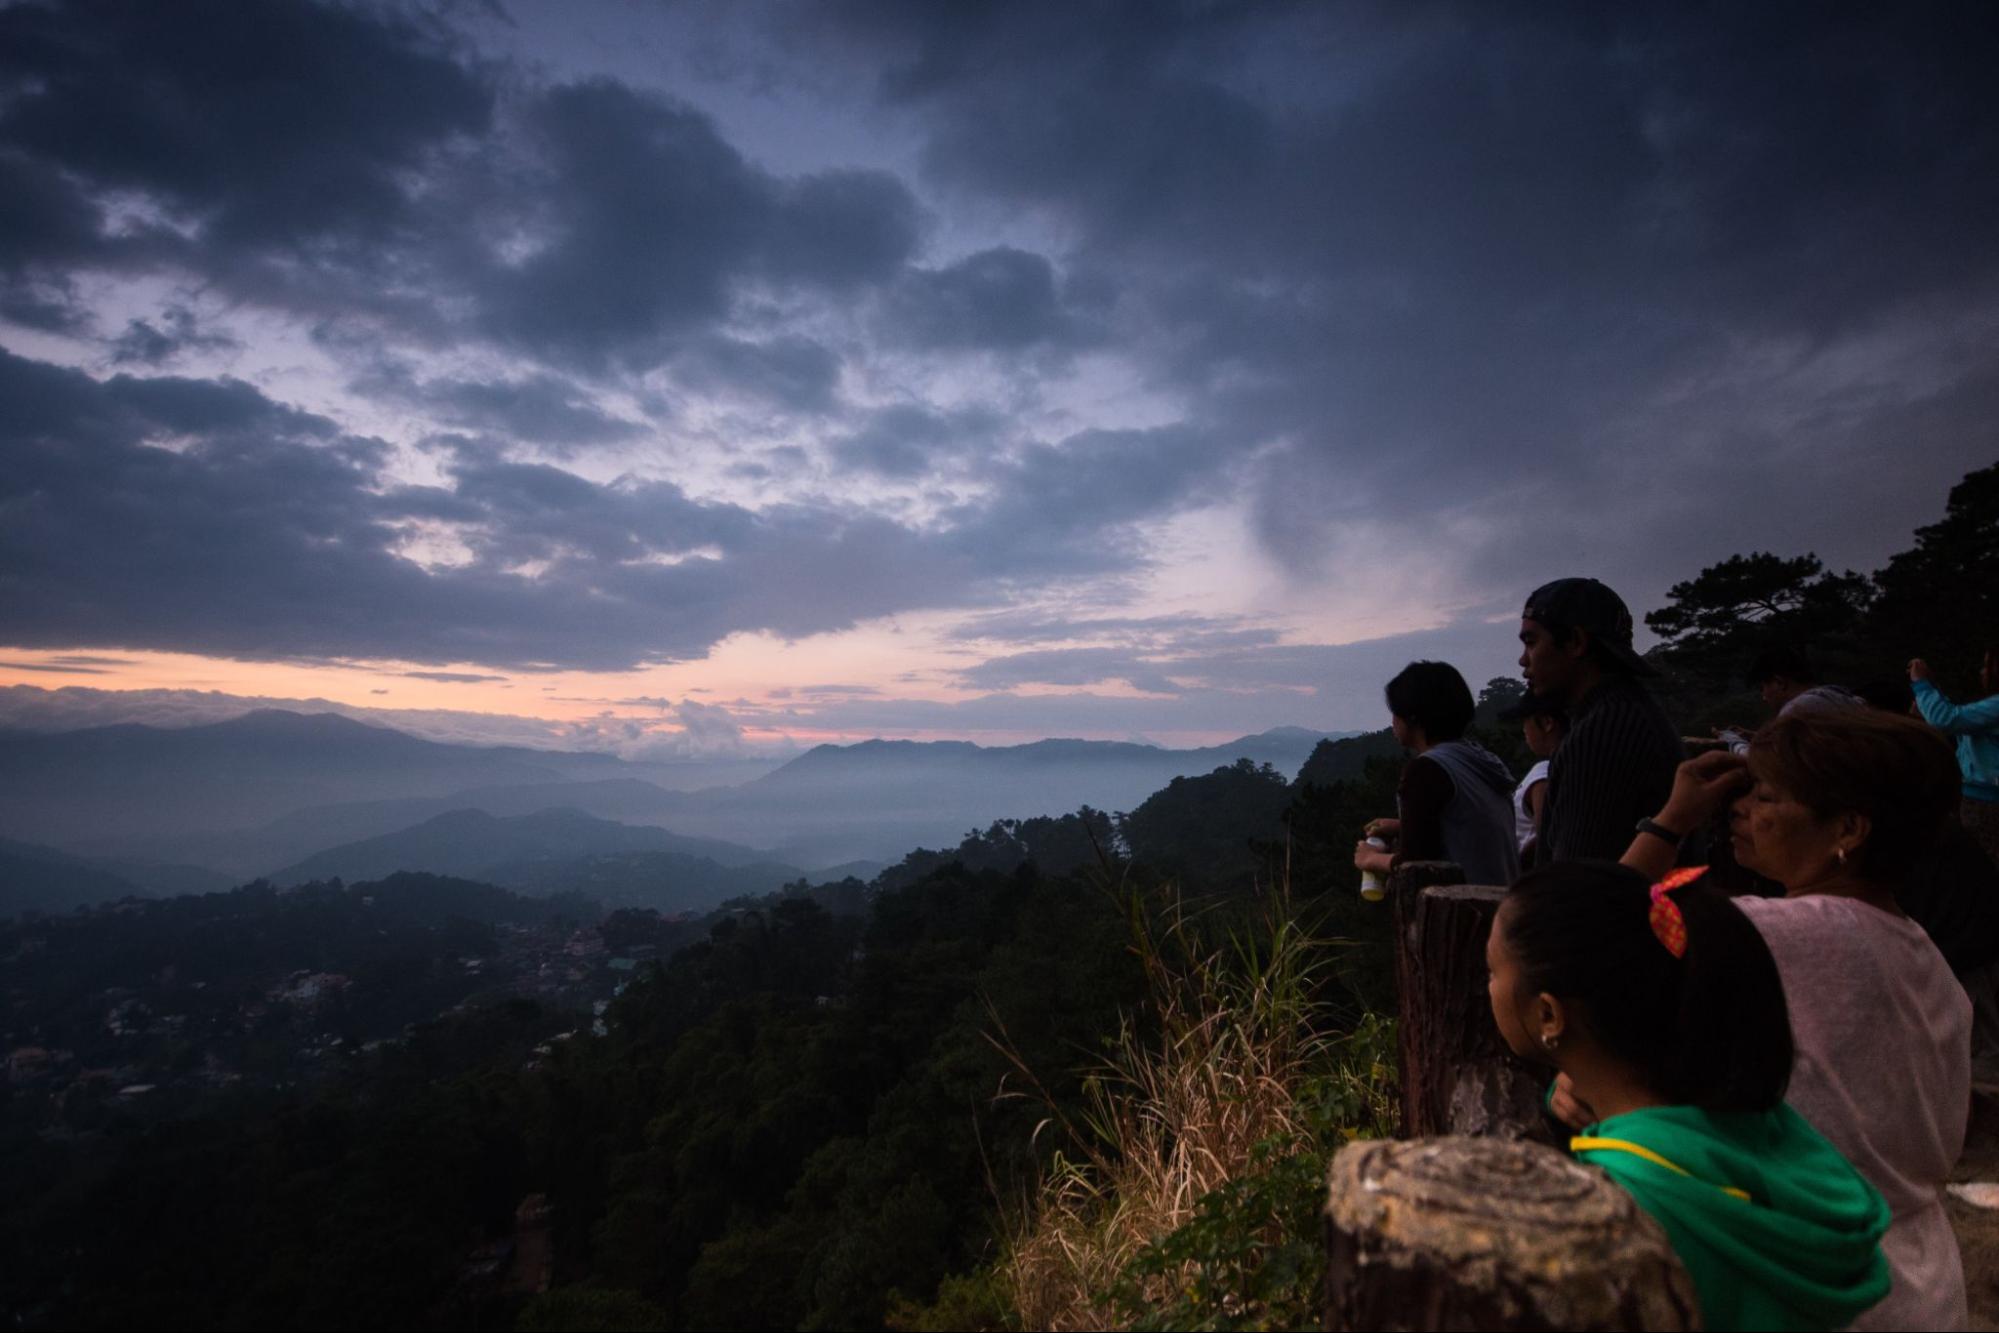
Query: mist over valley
[{"x": 293, "y": 797}]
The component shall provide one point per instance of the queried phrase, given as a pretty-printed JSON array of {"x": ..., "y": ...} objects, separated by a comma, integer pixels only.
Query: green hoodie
[{"x": 1777, "y": 1230}]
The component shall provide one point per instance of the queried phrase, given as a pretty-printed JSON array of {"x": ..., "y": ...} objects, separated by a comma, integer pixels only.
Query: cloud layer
[{"x": 1440, "y": 301}]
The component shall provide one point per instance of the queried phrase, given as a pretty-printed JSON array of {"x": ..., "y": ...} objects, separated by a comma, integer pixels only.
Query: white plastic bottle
[{"x": 1372, "y": 887}]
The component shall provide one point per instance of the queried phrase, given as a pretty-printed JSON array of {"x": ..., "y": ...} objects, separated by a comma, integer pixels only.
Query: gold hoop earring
[
  {"x": 1839, "y": 853},
  {"x": 1549, "y": 1041}
]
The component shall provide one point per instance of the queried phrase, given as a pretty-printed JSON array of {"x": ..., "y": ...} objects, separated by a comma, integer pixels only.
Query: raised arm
[
  {"x": 1700, "y": 785},
  {"x": 1951, "y": 719}
]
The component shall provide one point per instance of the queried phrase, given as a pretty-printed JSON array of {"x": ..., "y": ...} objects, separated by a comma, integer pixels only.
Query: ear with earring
[{"x": 1550, "y": 1040}]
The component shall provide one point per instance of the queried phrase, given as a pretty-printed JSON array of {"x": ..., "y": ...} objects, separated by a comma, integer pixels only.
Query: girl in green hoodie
[{"x": 1661, "y": 1007}]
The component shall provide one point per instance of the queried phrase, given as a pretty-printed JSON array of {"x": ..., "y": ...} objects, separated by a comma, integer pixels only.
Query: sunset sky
[{"x": 695, "y": 379}]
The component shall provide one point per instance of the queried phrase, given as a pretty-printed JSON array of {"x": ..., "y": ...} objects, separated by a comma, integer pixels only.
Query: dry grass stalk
[{"x": 1173, "y": 1117}]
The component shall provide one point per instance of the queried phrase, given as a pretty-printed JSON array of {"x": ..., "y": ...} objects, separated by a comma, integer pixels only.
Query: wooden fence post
[
  {"x": 1457, "y": 1075},
  {"x": 1469, "y": 1233}
]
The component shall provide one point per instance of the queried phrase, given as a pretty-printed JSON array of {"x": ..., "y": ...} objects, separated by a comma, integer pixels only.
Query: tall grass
[{"x": 1184, "y": 1192}]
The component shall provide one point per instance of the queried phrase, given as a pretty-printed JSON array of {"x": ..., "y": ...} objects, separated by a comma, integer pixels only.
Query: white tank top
[{"x": 1523, "y": 818}]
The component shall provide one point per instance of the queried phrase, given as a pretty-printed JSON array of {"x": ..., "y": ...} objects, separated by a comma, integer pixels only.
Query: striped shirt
[{"x": 1614, "y": 767}]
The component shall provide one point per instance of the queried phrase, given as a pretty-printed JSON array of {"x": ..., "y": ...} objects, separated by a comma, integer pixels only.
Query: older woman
[{"x": 1833, "y": 806}]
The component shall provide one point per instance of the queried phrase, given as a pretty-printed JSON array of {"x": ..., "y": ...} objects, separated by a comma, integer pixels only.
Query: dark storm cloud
[
  {"x": 545, "y": 410},
  {"x": 587, "y": 224},
  {"x": 841, "y": 229},
  {"x": 178, "y": 331},
  {"x": 512, "y": 513},
  {"x": 254, "y": 121},
  {"x": 227, "y": 414},
  {"x": 537, "y": 408},
  {"x": 909, "y": 439},
  {"x": 201, "y": 516},
  {"x": 1413, "y": 258},
  {"x": 47, "y": 305},
  {"x": 595, "y": 229},
  {"x": 792, "y": 373},
  {"x": 646, "y": 209},
  {"x": 1071, "y": 506},
  {"x": 1002, "y": 299},
  {"x": 646, "y": 220},
  {"x": 44, "y": 217},
  {"x": 273, "y": 150},
  {"x": 1496, "y": 291}
]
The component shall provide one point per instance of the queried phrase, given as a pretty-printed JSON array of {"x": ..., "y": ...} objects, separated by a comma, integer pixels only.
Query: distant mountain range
[
  {"x": 249, "y": 853},
  {"x": 170, "y": 810},
  {"x": 555, "y": 851},
  {"x": 64, "y": 786},
  {"x": 42, "y": 879},
  {"x": 45, "y": 879},
  {"x": 881, "y": 798},
  {"x": 467, "y": 843}
]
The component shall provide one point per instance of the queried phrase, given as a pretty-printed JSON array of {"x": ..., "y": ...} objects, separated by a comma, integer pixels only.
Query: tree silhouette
[
  {"x": 1940, "y": 598},
  {"x": 1715, "y": 622}
]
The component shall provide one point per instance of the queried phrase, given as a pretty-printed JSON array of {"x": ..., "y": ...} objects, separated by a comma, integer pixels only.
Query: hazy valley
[{"x": 102, "y": 813}]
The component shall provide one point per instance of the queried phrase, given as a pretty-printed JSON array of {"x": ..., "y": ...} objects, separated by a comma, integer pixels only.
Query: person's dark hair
[
  {"x": 1707, "y": 1029},
  {"x": 1786, "y": 660},
  {"x": 1433, "y": 696},
  {"x": 1895, "y": 770},
  {"x": 1536, "y": 705},
  {"x": 1891, "y": 694}
]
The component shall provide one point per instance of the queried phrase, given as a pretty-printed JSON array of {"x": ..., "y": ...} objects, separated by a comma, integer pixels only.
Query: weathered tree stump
[
  {"x": 1469, "y": 1233},
  {"x": 1458, "y": 1077}
]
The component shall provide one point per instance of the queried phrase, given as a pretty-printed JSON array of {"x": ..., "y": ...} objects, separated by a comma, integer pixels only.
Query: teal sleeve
[{"x": 1956, "y": 719}]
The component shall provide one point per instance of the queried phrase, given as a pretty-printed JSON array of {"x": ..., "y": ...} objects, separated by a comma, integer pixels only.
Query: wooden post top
[{"x": 1460, "y": 1232}]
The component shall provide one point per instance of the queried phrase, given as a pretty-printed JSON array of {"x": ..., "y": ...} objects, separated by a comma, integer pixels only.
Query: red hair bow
[{"x": 1667, "y": 923}]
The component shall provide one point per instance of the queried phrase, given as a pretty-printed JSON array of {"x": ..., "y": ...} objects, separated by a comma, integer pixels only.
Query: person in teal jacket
[
  {"x": 1661, "y": 1010},
  {"x": 1975, "y": 727}
]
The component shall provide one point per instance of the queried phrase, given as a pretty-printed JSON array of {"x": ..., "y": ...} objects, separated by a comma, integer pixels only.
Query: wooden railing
[{"x": 1457, "y": 1075}]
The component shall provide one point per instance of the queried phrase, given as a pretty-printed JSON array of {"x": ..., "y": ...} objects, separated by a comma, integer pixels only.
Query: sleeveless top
[
  {"x": 1478, "y": 820},
  {"x": 1523, "y": 818}
]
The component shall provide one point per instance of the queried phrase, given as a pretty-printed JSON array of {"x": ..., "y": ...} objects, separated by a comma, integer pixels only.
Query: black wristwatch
[{"x": 1660, "y": 831}]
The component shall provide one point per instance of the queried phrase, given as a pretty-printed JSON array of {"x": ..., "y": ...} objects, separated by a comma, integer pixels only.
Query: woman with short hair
[
  {"x": 1454, "y": 800},
  {"x": 1835, "y": 806}
]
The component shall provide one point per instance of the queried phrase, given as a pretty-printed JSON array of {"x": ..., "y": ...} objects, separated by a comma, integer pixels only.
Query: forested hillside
[{"x": 793, "y": 1120}]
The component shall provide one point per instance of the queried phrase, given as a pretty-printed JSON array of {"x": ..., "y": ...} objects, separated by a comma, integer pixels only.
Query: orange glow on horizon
[
  {"x": 771, "y": 687},
  {"x": 755, "y": 678}
]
